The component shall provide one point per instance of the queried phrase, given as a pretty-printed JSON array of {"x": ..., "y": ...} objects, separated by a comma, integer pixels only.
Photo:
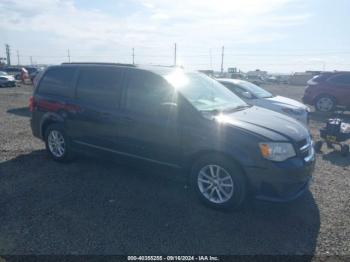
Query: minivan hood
[
  {"x": 269, "y": 124},
  {"x": 287, "y": 102}
]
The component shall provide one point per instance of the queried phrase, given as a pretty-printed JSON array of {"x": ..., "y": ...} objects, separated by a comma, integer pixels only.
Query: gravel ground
[{"x": 96, "y": 206}]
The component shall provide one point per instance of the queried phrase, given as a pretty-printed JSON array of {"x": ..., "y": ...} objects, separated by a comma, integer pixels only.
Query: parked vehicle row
[
  {"x": 168, "y": 116},
  {"x": 17, "y": 72},
  {"x": 7, "y": 80}
]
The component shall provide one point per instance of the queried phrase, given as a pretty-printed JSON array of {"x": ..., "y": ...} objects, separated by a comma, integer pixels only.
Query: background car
[
  {"x": 255, "y": 95},
  {"x": 328, "y": 91},
  {"x": 14, "y": 71},
  {"x": 7, "y": 80},
  {"x": 257, "y": 80},
  {"x": 32, "y": 71}
]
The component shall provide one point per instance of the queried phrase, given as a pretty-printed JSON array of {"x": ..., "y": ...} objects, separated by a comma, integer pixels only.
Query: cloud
[{"x": 154, "y": 24}]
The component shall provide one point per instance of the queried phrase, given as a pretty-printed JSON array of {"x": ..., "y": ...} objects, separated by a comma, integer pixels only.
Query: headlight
[
  {"x": 291, "y": 111},
  {"x": 277, "y": 151}
]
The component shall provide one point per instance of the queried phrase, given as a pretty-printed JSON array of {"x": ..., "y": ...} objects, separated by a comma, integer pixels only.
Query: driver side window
[{"x": 146, "y": 93}]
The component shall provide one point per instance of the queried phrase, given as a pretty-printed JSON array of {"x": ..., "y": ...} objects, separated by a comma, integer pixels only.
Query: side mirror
[{"x": 247, "y": 95}]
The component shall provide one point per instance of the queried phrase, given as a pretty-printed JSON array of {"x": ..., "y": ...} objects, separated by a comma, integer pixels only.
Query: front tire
[
  {"x": 325, "y": 103},
  {"x": 58, "y": 143},
  {"x": 218, "y": 182}
]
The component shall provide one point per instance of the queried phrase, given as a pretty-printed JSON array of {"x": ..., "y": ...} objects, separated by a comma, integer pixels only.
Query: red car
[{"x": 328, "y": 91}]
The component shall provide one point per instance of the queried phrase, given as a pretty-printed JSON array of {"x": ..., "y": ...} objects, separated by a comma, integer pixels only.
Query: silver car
[
  {"x": 7, "y": 80},
  {"x": 255, "y": 95}
]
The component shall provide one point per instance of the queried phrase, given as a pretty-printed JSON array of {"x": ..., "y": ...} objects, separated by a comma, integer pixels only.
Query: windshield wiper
[
  {"x": 236, "y": 108},
  {"x": 212, "y": 111},
  {"x": 226, "y": 110}
]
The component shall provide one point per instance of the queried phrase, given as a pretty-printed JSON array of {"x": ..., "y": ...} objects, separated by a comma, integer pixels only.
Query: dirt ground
[{"x": 95, "y": 206}]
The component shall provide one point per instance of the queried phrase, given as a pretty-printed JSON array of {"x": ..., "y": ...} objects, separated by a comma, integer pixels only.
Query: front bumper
[{"x": 281, "y": 182}]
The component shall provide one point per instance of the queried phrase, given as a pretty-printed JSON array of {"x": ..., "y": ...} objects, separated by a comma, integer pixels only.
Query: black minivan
[{"x": 180, "y": 119}]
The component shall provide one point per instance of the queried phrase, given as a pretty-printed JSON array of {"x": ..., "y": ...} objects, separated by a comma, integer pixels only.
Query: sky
[{"x": 281, "y": 36}]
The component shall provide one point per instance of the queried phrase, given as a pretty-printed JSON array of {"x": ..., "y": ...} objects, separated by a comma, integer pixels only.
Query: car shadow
[
  {"x": 95, "y": 206},
  {"x": 335, "y": 158},
  {"x": 21, "y": 111},
  {"x": 323, "y": 117}
]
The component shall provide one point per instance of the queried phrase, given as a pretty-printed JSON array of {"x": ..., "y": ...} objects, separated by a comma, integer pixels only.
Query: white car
[
  {"x": 255, "y": 95},
  {"x": 7, "y": 80}
]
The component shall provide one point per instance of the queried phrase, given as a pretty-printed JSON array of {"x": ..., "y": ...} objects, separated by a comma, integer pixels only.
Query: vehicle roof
[
  {"x": 157, "y": 69},
  {"x": 234, "y": 81},
  {"x": 335, "y": 72}
]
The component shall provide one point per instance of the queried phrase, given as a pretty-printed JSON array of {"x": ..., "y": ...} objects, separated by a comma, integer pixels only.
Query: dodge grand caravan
[{"x": 175, "y": 118}]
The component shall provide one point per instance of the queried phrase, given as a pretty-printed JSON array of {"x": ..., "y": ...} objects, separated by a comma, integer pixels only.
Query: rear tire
[
  {"x": 325, "y": 103},
  {"x": 58, "y": 144},
  {"x": 218, "y": 182}
]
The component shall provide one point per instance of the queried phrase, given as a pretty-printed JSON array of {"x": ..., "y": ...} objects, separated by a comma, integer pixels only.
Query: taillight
[{"x": 31, "y": 104}]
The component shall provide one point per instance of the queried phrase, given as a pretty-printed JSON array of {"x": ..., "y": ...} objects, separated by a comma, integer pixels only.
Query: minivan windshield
[
  {"x": 254, "y": 89},
  {"x": 204, "y": 93}
]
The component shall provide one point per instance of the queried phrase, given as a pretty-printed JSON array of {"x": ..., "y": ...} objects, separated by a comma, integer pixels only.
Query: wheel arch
[
  {"x": 47, "y": 120},
  {"x": 322, "y": 95},
  {"x": 198, "y": 155}
]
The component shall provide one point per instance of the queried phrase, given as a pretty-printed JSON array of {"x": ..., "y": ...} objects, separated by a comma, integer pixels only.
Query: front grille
[
  {"x": 302, "y": 143},
  {"x": 304, "y": 147}
]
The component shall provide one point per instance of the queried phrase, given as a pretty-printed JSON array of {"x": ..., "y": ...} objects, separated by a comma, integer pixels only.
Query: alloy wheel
[
  {"x": 56, "y": 143},
  {"x": 324, "y": 104},
  {"x": 215, "y": 184}
]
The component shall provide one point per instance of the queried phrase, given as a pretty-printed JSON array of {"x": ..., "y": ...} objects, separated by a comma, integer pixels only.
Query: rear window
[
  {"x": 58, "y": 81},
  {"x": 100, "y": 86},
  {"x": 342, "y": 79}
]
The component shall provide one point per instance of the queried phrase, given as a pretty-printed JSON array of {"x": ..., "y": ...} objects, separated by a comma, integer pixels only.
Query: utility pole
[
  {"x": 68, "y": 54},
  {"x": 133, "y": 56},
  {"x": 31, "y": 60},
  {"x": 8, "y": 54},
  {"x": 17, "y": 57},
  {"x": 222, "y": 60},
  {"x": 175, "y": 54}
]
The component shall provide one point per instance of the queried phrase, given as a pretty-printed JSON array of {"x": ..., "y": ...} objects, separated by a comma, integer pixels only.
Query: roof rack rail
[{"x": 97, "y": 63}]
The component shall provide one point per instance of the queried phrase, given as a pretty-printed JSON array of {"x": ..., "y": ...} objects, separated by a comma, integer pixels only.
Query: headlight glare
[{"x": 277, "y": 151}]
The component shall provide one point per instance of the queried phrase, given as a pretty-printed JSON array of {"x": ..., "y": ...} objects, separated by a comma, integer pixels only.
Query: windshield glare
[
  {"x": 204, "y": 93},
  {"x": 254, "y": 89}
]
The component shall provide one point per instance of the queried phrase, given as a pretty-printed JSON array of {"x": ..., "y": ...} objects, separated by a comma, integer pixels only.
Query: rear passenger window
[
  {"x": 341, "y": 79},
  {"x": 146, "y": 92},
  {"x": 58, "y": 81},
  {"x": 100, "y": 86}
]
